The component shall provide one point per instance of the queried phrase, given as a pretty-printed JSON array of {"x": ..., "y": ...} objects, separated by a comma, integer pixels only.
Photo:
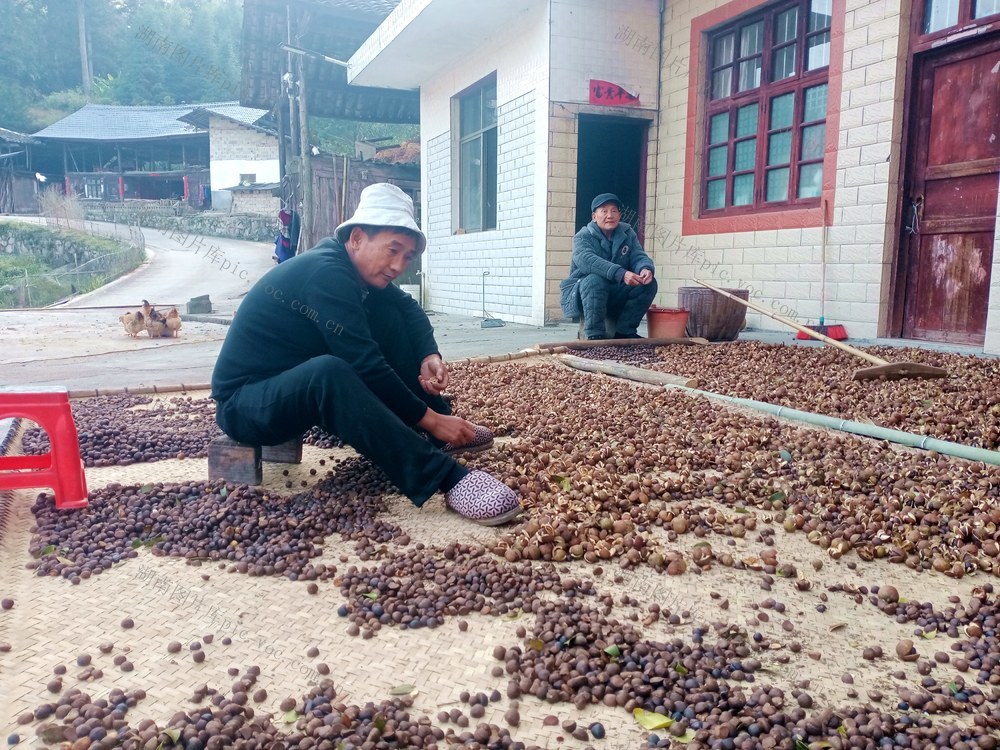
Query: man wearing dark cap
[{"x": 610, "y": 274}]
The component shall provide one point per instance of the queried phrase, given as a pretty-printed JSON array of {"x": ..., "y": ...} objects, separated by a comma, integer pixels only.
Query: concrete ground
[{"x": 81, "y": 345}]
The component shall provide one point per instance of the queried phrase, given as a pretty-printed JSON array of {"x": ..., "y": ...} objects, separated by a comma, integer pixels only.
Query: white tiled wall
[
  {"x": 235, "y": 150},
  {"x": 614, "y": 42},
  {"x": 513, "y": 253}
]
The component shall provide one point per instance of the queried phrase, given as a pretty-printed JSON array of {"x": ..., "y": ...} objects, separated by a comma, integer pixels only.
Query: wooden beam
[{"x": 628, "y": 372}]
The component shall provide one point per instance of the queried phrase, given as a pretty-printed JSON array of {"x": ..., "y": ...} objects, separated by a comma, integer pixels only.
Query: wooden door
[{"x": 949, "y": 216}]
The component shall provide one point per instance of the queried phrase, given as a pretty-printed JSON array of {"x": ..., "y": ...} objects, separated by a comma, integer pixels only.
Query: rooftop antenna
[{"x": 488, "y": 320}]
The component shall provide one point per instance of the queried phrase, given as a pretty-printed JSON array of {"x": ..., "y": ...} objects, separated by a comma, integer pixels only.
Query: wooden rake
[{"x": 881, "y": 369}]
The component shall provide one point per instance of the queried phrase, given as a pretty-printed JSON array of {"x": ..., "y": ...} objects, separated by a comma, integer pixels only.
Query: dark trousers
[
  {"x": 600, "y": 298},
  {"x": 326, "y": 391}
]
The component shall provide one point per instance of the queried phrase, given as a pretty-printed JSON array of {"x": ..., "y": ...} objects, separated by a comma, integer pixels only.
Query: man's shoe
[
  {"x": 481, "y": 440},
  {"x": 484, "y": 499},
  {"x": 597, "y": 338},
  {"x": 620, "y": 335}
]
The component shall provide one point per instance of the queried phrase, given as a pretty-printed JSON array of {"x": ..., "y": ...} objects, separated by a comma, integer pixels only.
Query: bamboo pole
[
  {"x": 628, "y": 372},
  {"x": 587, "y": 344}
]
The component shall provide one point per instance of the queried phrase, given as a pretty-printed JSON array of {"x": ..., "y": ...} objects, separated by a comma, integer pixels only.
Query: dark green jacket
[{"x": 316, "y": 304}]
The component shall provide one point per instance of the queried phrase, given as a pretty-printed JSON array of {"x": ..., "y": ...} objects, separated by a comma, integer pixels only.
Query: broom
[{"x": 837, "y": 332}]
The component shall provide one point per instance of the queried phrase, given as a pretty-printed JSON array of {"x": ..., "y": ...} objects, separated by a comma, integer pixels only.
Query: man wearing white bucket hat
[{"x": 326, "y": 339}]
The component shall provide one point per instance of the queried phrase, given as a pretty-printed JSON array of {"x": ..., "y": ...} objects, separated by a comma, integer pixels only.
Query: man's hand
[
  {"x": 645, "y": 276},
  {"x": 632, "y": 279},
  {"x": 433, "y": 375},
  {"x": 454, "y": 430}
]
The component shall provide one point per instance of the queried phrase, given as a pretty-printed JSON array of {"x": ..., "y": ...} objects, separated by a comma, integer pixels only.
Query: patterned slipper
[
  {"x": 484, "y": 499},
  {"x": 481, "y": 440}
]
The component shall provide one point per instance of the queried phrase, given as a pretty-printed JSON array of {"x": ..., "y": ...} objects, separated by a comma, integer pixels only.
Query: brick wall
[
  {"x": 236, "y": 150},
  {"x": 781, "y": 265},
  {"x": 256, "y": 202}
]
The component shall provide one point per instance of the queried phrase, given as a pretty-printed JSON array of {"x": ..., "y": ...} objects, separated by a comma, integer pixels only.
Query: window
[
  {"x": 477, "y": 161},
  {"x": 766, "y": 104},
  {"x": 93, "y": 187},
  {"x": 940, "y": 15},
  {"x": 247, "y": 179}
]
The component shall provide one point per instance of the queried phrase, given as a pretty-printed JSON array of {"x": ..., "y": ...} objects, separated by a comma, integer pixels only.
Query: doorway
[
  {"x": 950, "y": 194},
  {"x": 611, "y": 158}
]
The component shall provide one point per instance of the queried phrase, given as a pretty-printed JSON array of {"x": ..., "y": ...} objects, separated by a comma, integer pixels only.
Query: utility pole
[
  {"x": 305, "y": 167},
  {"x": 81, "y": 16}
]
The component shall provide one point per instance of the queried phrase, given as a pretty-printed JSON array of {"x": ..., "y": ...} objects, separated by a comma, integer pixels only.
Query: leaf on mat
[
  {"x": 511, "y": 616},
  {"x": 613, "y": 651},
  {"x": 371, "y": 595},
  {"x": 154, "y": 541},
  {"x": 64, "y": 560},
  {"x": 777, "y": 496},
  {"x": 173, "y": 734},
  {"x": 224, "y": 492},
  {"x": 404, "y": 689},
  {"x": 651, "y": 720},
  {"x": 680, "y": 669},
  {"x": 146, "y": 489},
  {"x": 379, "y": 722},
  {"x": 837, "y": 626},
  {"x": 685, "y": 738},
  {"x": 290, "y": 717},
  {"x": 800, "y": 744},
  {"x": 537, "y": 644},
  {"x": 562, "y": 482},
  {"x": 785, "y": 455},
  {"x": 136, "y": 543},
  {"x": 48, "y": 549},
  {"x": 929, "y": 634}
]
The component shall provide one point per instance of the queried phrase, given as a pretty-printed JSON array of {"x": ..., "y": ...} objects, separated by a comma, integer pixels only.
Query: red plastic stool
[{"x": 61, "y": 468}]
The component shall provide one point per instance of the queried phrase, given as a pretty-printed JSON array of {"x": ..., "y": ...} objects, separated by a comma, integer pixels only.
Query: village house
[
  {"x": 832, "y": 157},
  {"x": 180, "y": 153},
  {"x": 18, "y": 181}
]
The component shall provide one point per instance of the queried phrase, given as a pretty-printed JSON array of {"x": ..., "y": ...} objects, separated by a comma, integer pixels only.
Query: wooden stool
[
  {"x": 241, "y": 464},
  {"x": 61, "y": 468}
]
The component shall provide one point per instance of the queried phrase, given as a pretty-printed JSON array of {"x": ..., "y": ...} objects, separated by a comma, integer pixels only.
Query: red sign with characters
[{"x": 611, "y": 95}]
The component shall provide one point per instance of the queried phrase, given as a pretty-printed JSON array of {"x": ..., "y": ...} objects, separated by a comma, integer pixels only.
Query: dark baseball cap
[{"x": 605, "y": 198}]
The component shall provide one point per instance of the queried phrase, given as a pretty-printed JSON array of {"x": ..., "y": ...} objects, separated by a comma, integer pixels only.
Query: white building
[{"x": 750, "y": 140}]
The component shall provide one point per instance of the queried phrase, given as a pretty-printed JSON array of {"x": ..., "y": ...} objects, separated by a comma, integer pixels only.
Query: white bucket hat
[{"x": 383, "y": 205}]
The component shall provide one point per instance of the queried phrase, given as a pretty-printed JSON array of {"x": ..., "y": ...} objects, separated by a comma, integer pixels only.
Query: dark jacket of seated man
[
  {"x": 315, "y": 306},
  {"x": 594, "y": 254}
]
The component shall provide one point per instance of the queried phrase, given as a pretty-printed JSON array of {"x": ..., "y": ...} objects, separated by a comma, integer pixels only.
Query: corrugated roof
[{"x": 108, "y": 122}]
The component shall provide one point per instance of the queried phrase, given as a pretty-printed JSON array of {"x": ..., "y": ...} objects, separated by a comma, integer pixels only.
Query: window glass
[
  {"x": 472, "y": 185},
  {"x": 779, "y": 148},
  {"x": 471, "y": 113},
  {"x": 815, "y": 106},
  {"x": 746, "y": 120},
  {"x": 490, "y": 106},
  {"x": 818, "y": 51},
  {"x": 719, "y": 128},
  {"x": 777, "y": 185},
  {"x": 781, "y": 111},
  {"x": 813, "y": 140},
  {"x": 725, "y": 47},
  {"x": 820, "y": 14},
  {"x": 983, "y": 8},
  {"x": 783, "y": 63},
  {"x": 743, "y": 190},
  {"x": 750, "y": 74},
  {"x": 717, "y": 161},
  {"x": 810, "y": 180},
  {"x": 752, "y": 39},
  {"x": 785, "y": 26},
  {"x": 716, "y": 197},
  {"x": 722, "y": 83},
  {"x": 746, "y": 155},
  {"x": 939, "y": 14}
]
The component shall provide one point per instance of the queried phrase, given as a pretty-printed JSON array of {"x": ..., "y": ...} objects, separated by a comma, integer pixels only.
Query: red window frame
[{"x": 762, "y": 94}]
